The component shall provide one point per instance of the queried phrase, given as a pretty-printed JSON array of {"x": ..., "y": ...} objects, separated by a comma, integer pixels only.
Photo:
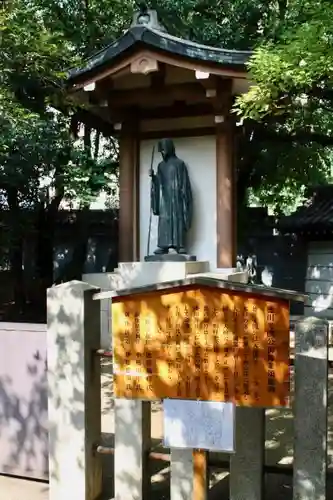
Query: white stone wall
[
  {"x": 319, "y": 280},
  {"x": 199, "y": 153}
]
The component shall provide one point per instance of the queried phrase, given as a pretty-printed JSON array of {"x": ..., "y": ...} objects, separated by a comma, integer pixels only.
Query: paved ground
[
  {"x": 278, "y": 451},
  {"x": 16, "y": 489}
]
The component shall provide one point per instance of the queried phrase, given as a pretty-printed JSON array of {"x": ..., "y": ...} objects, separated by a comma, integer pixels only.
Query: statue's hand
[{"x": 151, "y": 173}]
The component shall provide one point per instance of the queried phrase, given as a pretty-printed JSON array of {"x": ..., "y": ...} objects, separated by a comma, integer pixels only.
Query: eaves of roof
[{"x": 160, "y": 41}]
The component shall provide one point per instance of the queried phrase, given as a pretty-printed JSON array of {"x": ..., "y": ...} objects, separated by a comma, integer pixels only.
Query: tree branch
[{"x": 300, "y": 136}]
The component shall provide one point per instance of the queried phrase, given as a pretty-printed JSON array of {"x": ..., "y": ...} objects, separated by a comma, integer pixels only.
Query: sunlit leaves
[{"x": 301, "y": 60}]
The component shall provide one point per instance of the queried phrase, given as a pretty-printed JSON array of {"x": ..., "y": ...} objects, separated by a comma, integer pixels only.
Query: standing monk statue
[{"x": 171, "y": 200}]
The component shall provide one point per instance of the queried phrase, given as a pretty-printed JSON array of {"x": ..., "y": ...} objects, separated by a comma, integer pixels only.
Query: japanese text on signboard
[{"x": 203, "y": 344}]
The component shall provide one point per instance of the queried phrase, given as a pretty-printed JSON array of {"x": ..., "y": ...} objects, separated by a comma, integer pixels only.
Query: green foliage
[
  {"x": 87, "y": 25},
  {"x": 33, "y": 58},
  {"x": 282, "y": 171},
  {"x": 291, "y": 97},
  {"x": 37, "y": 150},
  {"x": 291, "y": 70},
  {"x": 235, "y": 25},
  {"x": 38, "y": 156},
  {"x": 290, "y": 75}
]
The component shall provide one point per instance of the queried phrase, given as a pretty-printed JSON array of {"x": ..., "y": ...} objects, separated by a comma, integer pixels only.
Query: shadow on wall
[{"x": 23, "y": 401}]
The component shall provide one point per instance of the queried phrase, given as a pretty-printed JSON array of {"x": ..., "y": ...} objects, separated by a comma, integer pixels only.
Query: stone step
[{"x": 184, "y": 268}]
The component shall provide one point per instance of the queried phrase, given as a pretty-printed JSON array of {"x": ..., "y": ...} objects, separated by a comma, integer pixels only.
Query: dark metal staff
[{"x": 151, "y": 173}]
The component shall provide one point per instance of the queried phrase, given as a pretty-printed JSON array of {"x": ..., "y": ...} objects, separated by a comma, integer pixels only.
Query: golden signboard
[{"x": 201, "y": 343}]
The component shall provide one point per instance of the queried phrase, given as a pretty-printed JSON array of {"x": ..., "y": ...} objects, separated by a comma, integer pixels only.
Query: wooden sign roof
[{"x": 214, "y": 283}]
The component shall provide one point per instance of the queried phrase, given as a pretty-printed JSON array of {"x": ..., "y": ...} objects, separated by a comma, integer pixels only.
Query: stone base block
[
  {"x": 134, "y": 274},
  {"x": 170, "y": 257}
]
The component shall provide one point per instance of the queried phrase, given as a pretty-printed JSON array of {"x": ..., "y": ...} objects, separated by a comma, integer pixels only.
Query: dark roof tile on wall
[{"x": 316, "y": 215}]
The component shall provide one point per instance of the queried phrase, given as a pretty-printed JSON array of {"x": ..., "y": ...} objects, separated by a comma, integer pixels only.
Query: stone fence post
[
  {"x": 310, "y": 409},
  {"x": 74, "y": 391}
]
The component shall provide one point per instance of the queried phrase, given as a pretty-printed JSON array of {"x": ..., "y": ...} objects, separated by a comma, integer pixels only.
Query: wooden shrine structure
[{"x": 149, "y": 84}]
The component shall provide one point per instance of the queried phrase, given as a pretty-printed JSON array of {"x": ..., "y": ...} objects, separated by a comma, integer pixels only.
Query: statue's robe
[{"x": 171, "y": 200}]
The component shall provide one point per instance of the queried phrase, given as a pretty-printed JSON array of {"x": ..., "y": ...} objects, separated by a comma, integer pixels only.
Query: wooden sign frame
[{"x": 202, "y": 343}]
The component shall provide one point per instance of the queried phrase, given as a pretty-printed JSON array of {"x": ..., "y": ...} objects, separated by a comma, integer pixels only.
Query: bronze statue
[{"x": 171, "y": 200}]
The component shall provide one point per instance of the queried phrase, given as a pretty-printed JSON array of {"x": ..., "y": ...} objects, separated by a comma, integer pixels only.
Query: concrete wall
[
  {"x": 23, "y": 400},
  {"x": 199, "y": 154}
]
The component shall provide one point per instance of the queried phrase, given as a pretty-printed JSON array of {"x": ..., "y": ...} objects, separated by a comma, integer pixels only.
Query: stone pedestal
[
  {"x": 135, "y": 274},
  {"x": 170, "y": 257}
]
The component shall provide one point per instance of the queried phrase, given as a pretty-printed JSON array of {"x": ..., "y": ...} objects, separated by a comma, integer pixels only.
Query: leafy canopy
[
  {"x": 292, "y": 76},
  {"x": 37, "y": 149},
  {"x": 291, "y": 71}
]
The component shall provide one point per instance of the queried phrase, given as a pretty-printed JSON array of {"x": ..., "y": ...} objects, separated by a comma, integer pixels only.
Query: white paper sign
[{"x": 204, "y": 425}]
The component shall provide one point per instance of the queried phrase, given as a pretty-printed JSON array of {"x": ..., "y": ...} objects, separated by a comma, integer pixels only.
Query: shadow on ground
[{"x": 279, "y": 450}]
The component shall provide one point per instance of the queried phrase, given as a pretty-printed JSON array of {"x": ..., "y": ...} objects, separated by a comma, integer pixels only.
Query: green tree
[
  {"x": 43, "y": 159},
  {"x": 291, "y": 99},
  {"x": 293, "y": 75}
]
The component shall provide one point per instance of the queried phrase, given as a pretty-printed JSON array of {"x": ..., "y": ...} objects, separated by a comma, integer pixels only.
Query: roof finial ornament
[{"x": 146, "y": 17}]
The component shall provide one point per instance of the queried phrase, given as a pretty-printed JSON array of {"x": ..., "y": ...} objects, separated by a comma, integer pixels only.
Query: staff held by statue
[{"x": 151, "y": 174}]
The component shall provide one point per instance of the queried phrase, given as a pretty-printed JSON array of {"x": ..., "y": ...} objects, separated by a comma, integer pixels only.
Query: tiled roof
[
  {"x": 316, "y": 215},
  {"x": 164, "y": 42}
]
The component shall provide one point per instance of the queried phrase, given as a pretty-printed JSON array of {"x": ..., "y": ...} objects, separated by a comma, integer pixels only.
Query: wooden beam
[
  {"x": 128, "y": 194},
  {"x": 191, "y": 132},
  {"x": 144, "y": 66},
  {"x": 152, "y": 96},
  {"x": 103, "y": 87},
  {"x": 177, "y": 110}
]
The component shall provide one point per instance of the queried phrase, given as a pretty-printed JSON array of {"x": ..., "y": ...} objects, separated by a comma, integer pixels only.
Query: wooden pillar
[
  {"x": 200, "y": 475},
  {"x": 128, "y": 193},
  {"x": 225, "y": 197},
  {"x": 225, "y": 179}
]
